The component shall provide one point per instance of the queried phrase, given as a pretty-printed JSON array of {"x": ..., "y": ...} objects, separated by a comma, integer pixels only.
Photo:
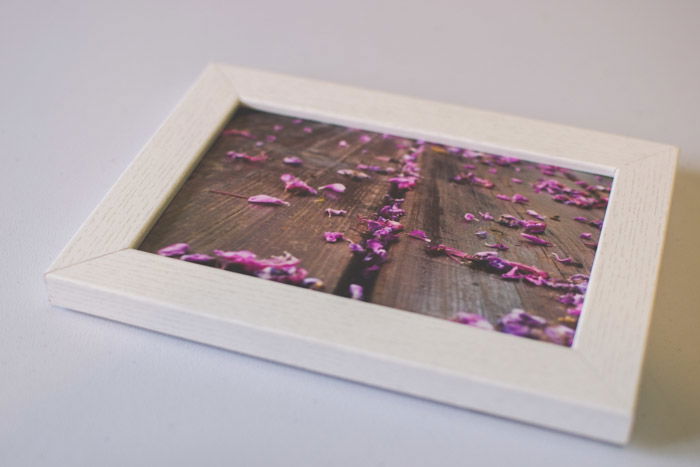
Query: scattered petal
[
  {"x": 233, "y": 155},
  {"x": 334, "y": 187},
  {"x": 535, "y": 214},
  {"x": 269, "y": 200},
  {"x": 343, "y": 144},
  {"x": 354, "y": 174},
  {"x": 356, "y": 292},
  {"x": 469, "y": 217},
  {"x": 566, "y": 260},
  {"x": 292, "y": 160},
  {"x": 199, "y": 258},
  {"x": 533, "y": 226},
  {"x": 333, "y": 237},
  {"x": 335, "y": 212},
  {"x": 520, "y": 199},
  {"x": 296, "y": 185},
  {"x": 535, "y": 240},
  {"x": 174, "y": 250},
  {"x": 419, "y": 234},
  {"x": 472, "y": 319},
  {"x": 481, "y": 234}
]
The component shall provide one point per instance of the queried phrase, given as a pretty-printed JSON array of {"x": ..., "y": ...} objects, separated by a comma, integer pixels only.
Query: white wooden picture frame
[{"x": 589, "y": 389}]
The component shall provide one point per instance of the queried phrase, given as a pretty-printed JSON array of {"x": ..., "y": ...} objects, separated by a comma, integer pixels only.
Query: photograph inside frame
[{"x": 484, "y": 240}]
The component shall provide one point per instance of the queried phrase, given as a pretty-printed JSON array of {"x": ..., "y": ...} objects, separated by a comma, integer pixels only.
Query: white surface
[
  {"x": 589, "y": 389},
  {"x": 84, "y": 86}
]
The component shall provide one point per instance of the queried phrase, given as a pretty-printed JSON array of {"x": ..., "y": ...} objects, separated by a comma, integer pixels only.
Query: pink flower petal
[
  {"x": 292, "y": 160},
  {"x": 335, "y": 187},
  {"x": 356, "y": 292},
  {"x": 269, "y": 200},
  {"x": 566, "y": 260},
  {"x": 174, "y": 250},
  {"x": 333, "y": 237},
  {"x": 419, "y": 234},
  {"x": 535, "y": 240},
  {"x": 335, "y": 212}
]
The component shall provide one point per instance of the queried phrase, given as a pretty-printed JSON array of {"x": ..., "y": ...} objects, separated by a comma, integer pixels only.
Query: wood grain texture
[{"x": 411, "y": 280}]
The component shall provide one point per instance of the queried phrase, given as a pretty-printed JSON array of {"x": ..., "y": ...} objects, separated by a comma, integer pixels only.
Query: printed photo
[{"x": 480, "y": 239}]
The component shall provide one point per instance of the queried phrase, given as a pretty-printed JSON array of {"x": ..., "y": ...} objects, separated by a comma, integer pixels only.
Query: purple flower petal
[
  {"x": 535, "y": 214},
  {"x": 296, "y": 185},
  {"x": 365, "y": 138},
  {"x": 535, "y": 240},
  {"x": 472, "y": 319},
  {"x": 512, "y": 274},
  {"x": 354, "y": 174},
  {"x": 333, "y": 237},
  {"x": 174, "y": 250},
  {"x": 335, "y": 212},
  {"x": 516, "y": 180},
  {"x": 199, "y": 258},
  {"x": 233, "y": 155},
  {"x": 356, "y": 292},
  {"x": 343, "y": 144},
  {"x": 520, "y": 199},
  {"x": 278, "y": 127},
  {"x": 486, "y": 216},
  {"x": 533, "y": 226},
  {"x": 566, "y": 260},
  {"x": 469, "y": 217},
  {"x": 559, "y": 334},
  {"x": 481, "y": 234},
  {"x": 419, "y": 234},
  {"x": 269, "y": 200},
  {"x": 292, "y": 160},
  {"x": 586, "y": 235},
  {"x": 335, "y": 187},
  {"x": 307, "y": 129},
  {"x": 497, "y": 246}
]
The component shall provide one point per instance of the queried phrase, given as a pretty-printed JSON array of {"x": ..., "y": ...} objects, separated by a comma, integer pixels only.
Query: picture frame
[{"x": 589, "y": 389}]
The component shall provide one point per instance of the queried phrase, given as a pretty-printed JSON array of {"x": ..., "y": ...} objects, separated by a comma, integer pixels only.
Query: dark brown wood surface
[{"x": 411, "y": 279}]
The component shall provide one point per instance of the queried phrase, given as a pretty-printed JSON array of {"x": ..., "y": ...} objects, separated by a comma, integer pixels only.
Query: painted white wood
[{"x": 589, "y": 389}]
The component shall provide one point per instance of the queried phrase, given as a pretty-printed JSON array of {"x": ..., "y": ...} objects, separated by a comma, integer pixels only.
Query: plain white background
[{"x": 84, "y": 85}]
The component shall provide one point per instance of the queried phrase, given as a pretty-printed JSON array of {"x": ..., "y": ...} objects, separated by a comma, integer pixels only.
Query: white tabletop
[{"x": 85, "y": 85}]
